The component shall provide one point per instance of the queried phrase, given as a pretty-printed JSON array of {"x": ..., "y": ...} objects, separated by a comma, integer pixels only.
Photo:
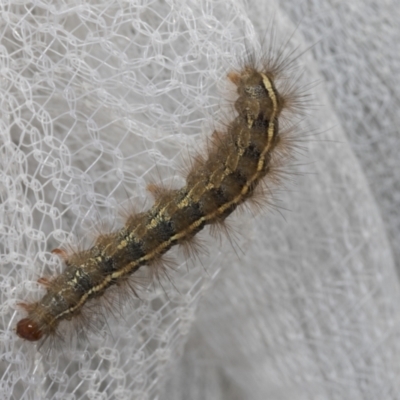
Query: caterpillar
[{"x": 252, "y": 148}]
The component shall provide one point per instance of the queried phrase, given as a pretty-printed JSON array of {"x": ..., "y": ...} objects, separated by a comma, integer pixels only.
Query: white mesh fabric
[{"x": 98, "y": 100}]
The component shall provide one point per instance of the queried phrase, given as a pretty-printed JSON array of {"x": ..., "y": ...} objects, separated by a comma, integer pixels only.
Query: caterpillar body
[{"x": 250, "y": 149}]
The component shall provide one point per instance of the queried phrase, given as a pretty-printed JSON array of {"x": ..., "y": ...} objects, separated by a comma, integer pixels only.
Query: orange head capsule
[{"x": 29, "y": 330}]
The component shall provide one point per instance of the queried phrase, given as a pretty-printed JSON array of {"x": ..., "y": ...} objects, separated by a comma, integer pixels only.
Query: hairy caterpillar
[{"x": 252, "y": 148}]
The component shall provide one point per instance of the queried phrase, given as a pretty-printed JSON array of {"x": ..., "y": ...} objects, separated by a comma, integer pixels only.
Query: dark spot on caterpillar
[{"x": 164, "y": 230}]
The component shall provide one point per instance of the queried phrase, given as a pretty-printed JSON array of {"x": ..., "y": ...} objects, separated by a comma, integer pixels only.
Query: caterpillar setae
[{"x": 252, "y": 148}]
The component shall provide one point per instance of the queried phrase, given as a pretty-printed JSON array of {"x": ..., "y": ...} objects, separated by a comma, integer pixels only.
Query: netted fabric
[{"x": 100, "y": 99}]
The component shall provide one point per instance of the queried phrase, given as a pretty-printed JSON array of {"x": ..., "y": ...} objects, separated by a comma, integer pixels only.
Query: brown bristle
[
  {"x": 61, "y": 253},
  {"x": 44, "y": 281}
]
